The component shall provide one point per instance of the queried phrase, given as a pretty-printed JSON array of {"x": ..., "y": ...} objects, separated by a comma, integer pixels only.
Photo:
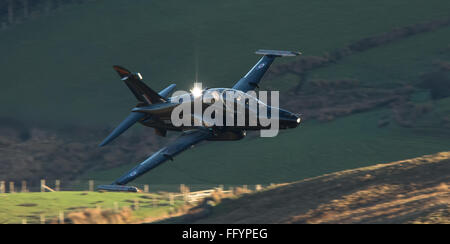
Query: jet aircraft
[{"x": 154, "y": 109}]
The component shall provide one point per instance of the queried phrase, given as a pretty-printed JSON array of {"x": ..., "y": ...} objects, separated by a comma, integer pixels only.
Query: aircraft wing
[
  {"x": 185, "y": 141},
  {"x": 251, "y": 80}
]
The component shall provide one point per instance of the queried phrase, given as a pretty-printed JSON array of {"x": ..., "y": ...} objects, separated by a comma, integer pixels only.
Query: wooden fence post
[
  {"x": 42, "y": 185},
  {"x": 61, "y": 217},
  {"x": 11, "y": 187},
  {"x": 154, "y": 201},
  {"x": 146, "y": 188},
  {"x": 258, "y": 187},
  {"x": 136, "y": 204},
  {"x": 183, "y": 191},
  {"x": 91, "y": 185},
  {"x": 116, "y": 207},
  {"x": 2, "y": 187},
  {"x": 186, "y": 193},
  {"x": 24, "y": 186},
  {"x": 171, "y": 199},
  {"x": 57, "y": 185},
  {"x": 42, "y": 219}
]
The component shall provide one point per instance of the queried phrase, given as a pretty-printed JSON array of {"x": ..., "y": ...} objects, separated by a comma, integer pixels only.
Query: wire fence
[
  {"x": 167, "y": 195},
  {"x": 46, "y": 185}
]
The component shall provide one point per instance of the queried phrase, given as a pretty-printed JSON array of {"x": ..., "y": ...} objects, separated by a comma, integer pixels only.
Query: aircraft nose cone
[
  {"x": 295, "y": 120},
  {"x": 298, "y": 120},
  {"x": 288, "y": 119}
]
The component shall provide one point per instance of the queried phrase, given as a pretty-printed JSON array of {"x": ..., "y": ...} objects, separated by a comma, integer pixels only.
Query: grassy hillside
[
  {"x": 407, "y": 191},
  {"x": 401, "y": 62},
  {"x": 61, "y": 64},
  {"x": 30, "y": 206}
]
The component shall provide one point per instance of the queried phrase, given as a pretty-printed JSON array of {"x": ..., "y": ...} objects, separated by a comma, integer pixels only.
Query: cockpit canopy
[{"x": 212, "y": 95}]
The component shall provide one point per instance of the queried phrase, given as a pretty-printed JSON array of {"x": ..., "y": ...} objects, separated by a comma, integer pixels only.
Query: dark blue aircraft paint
[
  {"x": 251, "y": 79},
  {"x": 185, "y": 141},
  {"x": 126, "y": 123},
  {"x": 152, "y": 104}
]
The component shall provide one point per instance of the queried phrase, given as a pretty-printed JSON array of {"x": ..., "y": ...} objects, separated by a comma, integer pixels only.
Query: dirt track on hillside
[{"x": 408, "y": 191}]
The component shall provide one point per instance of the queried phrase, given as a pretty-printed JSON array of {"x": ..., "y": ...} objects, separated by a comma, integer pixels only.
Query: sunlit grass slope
[{"x": 30, "y": 206}]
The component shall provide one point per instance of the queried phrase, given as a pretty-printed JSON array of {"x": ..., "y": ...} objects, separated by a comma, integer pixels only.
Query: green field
[
  {"x": 30, "y": 206},
  {"x": 57, "y": 68},
  {"x": 401, "y": 62}
]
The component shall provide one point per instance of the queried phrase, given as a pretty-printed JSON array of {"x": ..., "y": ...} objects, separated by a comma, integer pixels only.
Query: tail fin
[
  {"x": 166, "y": 91},
  {"x": 141, "y": 91}
]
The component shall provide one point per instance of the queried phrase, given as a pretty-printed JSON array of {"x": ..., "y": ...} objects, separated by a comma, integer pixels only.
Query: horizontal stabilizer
[
  {"x": 126, "y": 123},
  {"x": 277, "y": 53},
  {"x": 166, "y": 92},
  {"x": 117, "y": 188}
]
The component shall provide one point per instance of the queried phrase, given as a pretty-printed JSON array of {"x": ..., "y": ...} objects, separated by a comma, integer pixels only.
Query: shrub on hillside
[{"x": 438, "y": 82}]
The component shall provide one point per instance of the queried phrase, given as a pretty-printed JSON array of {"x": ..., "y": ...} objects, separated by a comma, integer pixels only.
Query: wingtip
[{"x": 104, "y": 142}]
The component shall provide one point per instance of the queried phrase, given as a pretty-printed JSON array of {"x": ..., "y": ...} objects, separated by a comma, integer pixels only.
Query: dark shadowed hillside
[{"x": 408, "y": 191}]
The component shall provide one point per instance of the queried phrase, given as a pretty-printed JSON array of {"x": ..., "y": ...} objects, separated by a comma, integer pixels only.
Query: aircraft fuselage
[{"x": 216, "y": 97}]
